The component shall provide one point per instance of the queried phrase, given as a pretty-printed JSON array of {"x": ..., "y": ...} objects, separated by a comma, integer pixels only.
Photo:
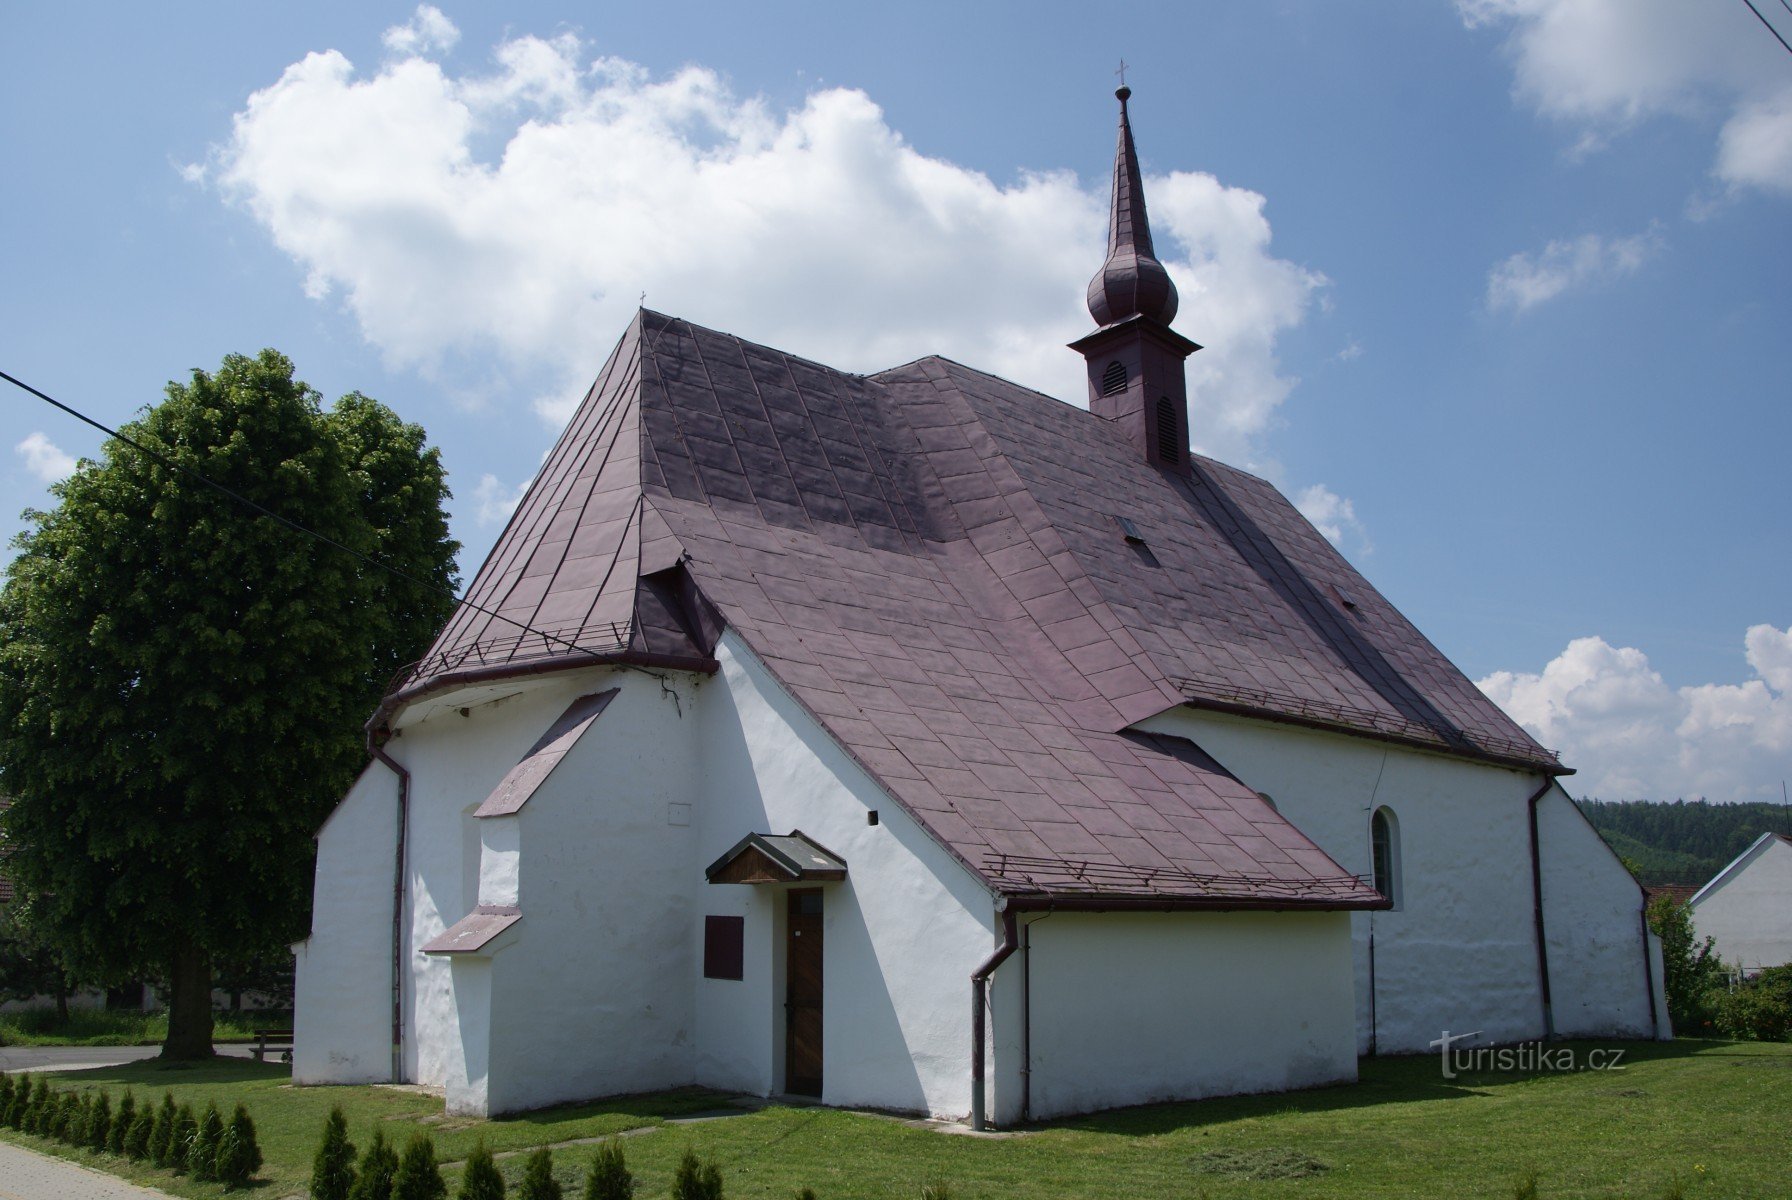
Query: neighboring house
[
  {"x": 1747, "y": 907},
  {"x": 922, "y": 742}
]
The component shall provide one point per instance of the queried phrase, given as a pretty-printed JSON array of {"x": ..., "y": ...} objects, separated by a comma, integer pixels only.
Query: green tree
[
  {"x": 538, "y": 1177},
  {"x": 161, "y": 1133},
  {"x": 333, "y": 1169},
  {"x": 202, "y": 1152},
  {"x": 180, "y": 1142},
  {"x": 418, "y": 1177},
  {"x": 29, "y": 963},
  {"x": 183, "y": 681},
  {"x": 609, "y": 1177},
  {"x": 121, "y": 1125},
  {"x": 696, "y": 1181},
  {"x": 99, "y": 1122},
  {"x": 480, "y": 1180},
  {"x": 373, "y": 1179},
  {"x": 136, "y": 1138},
  {"x": 1690, "y": 968},
  {"x": 239, "y": 1154}
]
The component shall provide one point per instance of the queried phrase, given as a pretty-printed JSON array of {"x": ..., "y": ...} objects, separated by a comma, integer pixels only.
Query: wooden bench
[{"x": 273, "y": 1039}]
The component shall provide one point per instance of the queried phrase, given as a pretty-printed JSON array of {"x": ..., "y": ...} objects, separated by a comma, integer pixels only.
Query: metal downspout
[
  {"x": 1549, "y": 1018},
  {"x": 979, "y": 1002},
  {"x": 404, "y": 808}
]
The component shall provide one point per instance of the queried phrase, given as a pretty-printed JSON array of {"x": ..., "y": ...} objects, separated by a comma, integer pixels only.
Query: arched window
[
  {"x": 1167, "y": 447},
  {"x": 1113, "y": 380},
  {"x": 1384, "y": 849}
]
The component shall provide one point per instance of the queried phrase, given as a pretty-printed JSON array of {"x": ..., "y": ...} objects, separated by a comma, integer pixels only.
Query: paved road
[
  {"x": 74, "y": 1058},
  {"x": 27, "y": 1175}
]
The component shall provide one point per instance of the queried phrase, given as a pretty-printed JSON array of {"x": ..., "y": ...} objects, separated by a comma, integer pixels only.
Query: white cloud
[
  {"x": 493, "y": 502},
  {"x": 44, "y": 458},
  {"x": 429, "y": 29},
  {"x": 1603, "y": 65},
  {"x": 1632, "y": 736},
  {"x": 1526, "y": 280},
  {"x": 818, "y": 230},
  {"x": 1333, "y": 515}
]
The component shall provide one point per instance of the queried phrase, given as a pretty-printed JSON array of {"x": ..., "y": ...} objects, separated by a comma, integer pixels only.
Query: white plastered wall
[
  {"x": 1593, "y": 922},
  {"x": 1749, "y": 912},
  {"x": 1129, "y": 1008},
  {"x": 901, "y": 935},
  {"x": 342, "y": 1029},
  {"x": 1459, "y": 953}
]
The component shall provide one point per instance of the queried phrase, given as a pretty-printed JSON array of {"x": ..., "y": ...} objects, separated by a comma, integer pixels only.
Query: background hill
[{"x": 1681, "y": 841}]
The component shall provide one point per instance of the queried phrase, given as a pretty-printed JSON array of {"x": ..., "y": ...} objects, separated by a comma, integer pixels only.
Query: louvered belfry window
[
  {"x": 1113, "y": 380},
  {"x": 1167, "y": 447}
]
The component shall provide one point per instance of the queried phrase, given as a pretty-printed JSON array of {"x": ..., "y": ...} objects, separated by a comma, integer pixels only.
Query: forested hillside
[{"x": 1682, "y": 841}]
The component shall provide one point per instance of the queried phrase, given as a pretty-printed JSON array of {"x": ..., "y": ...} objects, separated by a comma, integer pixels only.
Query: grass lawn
[
  {"x": 116, "y": 1027},
  {"x": 1699, "y": 1118}
]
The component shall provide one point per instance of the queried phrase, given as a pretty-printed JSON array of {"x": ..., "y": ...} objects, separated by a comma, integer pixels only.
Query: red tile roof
[{"x": 931, "y": 561}]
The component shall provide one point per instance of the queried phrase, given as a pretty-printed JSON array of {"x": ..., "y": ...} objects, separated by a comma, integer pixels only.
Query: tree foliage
[
  {"x": 609, "y": 1177},
  {"x": 182, "y": 681},
  {"x": 480, "y": 1180},
  {"x": 538, "y": 1181},
  {"x": 333, "y": 1169},
  {"x": 1682, "y": 842},
  {"x": 1690, "y": 968}
]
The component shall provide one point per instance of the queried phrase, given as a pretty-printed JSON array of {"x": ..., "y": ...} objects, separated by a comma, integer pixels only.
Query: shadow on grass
[
  {"x": 148, "y": 1071},
  {"x": 679, "y": 1102},
  {"x": 1402, "y": 1079}
]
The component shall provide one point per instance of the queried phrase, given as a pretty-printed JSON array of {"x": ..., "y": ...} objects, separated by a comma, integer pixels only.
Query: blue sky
[{"x": 1497, "y": 291}]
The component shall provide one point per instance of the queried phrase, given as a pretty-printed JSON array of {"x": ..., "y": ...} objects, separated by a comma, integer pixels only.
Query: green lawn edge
[{"x": 1691, "y": 1118}]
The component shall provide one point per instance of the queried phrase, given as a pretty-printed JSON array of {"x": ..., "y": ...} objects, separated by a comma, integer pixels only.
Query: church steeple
[
  {"x": 1135, "y": 359},
  {"x": 1131, "y": 282}
]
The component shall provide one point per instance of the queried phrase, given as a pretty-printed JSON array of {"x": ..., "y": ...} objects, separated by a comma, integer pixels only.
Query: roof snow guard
[
  {"x": 765, "y": 858},
  {"x": 475, "y": 932},
  {"x": 1033, "y": 882}
]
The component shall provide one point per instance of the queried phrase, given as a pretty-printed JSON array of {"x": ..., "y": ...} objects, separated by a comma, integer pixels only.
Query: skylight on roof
[{"x": 1131, "y": 531}]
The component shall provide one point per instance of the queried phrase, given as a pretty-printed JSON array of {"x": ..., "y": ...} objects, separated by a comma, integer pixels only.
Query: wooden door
[{"x": 802, "y": 994}]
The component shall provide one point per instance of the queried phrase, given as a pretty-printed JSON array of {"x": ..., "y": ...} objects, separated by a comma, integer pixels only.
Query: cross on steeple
[{"x": 1122, "y": 72}]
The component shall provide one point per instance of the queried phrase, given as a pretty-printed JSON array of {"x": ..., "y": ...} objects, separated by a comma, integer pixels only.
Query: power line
[
  {"x": 289, "y": 523},
  {"x": 1770, "y": 29}
]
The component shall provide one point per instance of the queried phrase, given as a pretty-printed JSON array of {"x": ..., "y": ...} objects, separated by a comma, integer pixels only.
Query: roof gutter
[
  {"x": 377, "y": 748},
  {"x": 979, "y": 1005},
  {"x": 448, "y": 681},
  {"x": 1549, "y": 1019}
]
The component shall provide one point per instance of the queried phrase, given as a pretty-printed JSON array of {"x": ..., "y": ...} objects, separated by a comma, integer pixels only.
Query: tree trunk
[
  {"x": 61, "y": 1000},
  {"x": 189, "y": 1006}
]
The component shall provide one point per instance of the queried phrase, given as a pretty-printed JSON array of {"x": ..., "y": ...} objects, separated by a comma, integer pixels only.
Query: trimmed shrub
[
  {"x": 803, "y": 1194},
  {"x": 609, "y": 1178},
  {"x": 186, "y": 1132},
  {"x": 6, "y": 1086},
  {"x": 937, "y": 1190},
  {"x": 373, "y": 1181},
  {"x": 333, "y": 1169},
  {"x": 418, "y": 1177},
  {"x": 121, "y": 1124},
  {"x": 17, "y": 1101},
  {"x": 481, "y": 1181},
  {"x": 161, "y": 1133},
  {"x": 694, "y": 1181},
  {"x": 136, "y": 1138},
  {"x": 538, "y": 1178},
  {"x": 65, "y": 1122},
  {"x": 43, "y": 1109},
  {"x": 99, "y": 1122},
  {"x": 239, "y": 1155},
  {"x": 202, "y": 1151}
]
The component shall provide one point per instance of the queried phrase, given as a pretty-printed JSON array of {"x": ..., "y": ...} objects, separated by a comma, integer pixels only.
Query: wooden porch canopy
[{"x": 770, "y": 858}]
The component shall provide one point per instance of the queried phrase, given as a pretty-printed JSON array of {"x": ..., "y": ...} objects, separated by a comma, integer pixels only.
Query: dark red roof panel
[{"x": 930, "y": 561}]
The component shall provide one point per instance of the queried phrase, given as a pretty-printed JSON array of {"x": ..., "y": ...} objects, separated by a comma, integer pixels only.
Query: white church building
[{"x": 920, "y": 741}]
